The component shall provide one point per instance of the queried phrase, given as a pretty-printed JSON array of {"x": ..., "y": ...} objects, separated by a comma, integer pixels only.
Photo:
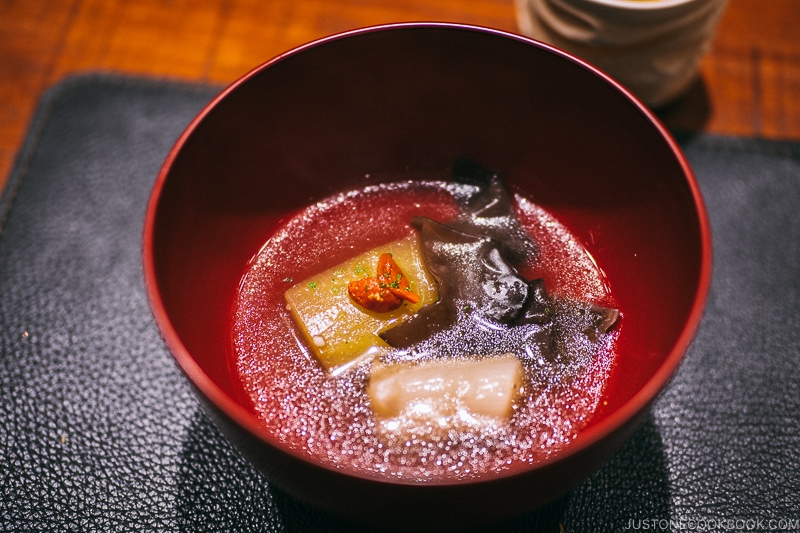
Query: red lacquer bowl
[{"x": 407, "y": 98}]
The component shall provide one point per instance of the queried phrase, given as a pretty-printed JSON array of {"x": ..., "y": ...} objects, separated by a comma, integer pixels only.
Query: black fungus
[
  {"x": 487, "y": 209},
  {"x": 472, "y": 277},
  {"x": 602, "y": 320},
  {"x": 537, "y": 309},
  {"x": 484, "y": 305}
]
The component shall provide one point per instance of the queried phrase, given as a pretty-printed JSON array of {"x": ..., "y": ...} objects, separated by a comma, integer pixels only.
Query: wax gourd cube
[{"x": 336, "y": 329}]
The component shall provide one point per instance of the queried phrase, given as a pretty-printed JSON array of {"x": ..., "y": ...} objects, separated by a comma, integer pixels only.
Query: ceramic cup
[{"x": 653, "y": 47}]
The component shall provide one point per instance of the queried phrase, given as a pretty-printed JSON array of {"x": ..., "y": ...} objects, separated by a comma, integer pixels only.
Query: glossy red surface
[{"x": 395, "y": 101}]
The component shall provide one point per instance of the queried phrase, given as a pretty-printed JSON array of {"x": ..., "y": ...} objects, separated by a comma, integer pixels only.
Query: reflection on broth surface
[{"x": 549, "y": 324}]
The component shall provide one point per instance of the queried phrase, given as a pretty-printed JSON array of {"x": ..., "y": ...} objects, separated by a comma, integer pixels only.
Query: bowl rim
[{"x": 612, "y": 422}]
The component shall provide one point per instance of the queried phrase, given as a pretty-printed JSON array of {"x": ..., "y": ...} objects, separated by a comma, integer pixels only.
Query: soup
[{"x": 557, "y": 358}]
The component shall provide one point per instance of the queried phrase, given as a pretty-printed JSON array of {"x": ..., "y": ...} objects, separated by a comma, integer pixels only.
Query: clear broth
[{"x": 329, "y": 417}]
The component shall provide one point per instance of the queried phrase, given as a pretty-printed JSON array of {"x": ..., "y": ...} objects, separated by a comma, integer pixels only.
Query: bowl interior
[{"x": 397, "y": 101}]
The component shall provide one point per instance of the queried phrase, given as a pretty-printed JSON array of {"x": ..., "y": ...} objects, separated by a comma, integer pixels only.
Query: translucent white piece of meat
[{"x": 449, "y": 392}]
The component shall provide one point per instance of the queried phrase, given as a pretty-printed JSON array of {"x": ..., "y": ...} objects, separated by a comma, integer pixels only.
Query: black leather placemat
[{"x": 99, "y": 432}]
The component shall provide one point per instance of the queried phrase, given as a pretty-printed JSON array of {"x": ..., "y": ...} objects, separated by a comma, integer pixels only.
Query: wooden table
[{"x": 750, "y": 79}]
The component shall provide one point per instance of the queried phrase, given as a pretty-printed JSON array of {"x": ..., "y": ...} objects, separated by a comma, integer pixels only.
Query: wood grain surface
[{"x": 750, "y": 81}]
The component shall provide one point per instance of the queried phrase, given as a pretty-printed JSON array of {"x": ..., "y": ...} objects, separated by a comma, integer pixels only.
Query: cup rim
[{"x": 641, "y": 5}]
